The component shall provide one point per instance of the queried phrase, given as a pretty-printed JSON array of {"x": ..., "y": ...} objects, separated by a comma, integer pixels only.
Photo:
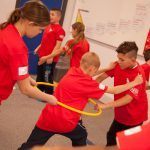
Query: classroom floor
[{"x": 19, "y": 114}]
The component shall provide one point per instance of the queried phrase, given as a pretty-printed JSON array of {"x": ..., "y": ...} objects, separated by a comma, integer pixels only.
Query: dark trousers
[
  {"x": 41, "y": 71},
  {"x": 114, "y": 128},
  {"x": 39, "y": 137}
]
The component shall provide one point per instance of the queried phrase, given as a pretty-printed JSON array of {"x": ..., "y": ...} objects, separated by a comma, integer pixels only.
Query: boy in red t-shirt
[
  {"x": 131, "y": 106},
  {"x": 146, "y": 66},
  {"x": 75, "y": 88},
  {"x": 52, "y": 38}
]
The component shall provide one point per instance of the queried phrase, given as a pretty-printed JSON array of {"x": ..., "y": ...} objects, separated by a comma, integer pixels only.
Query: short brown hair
[
  {"x": 90, "y": 59},
  {"x": 57, "y": 10},
  {"x": 128, "y": 47}
]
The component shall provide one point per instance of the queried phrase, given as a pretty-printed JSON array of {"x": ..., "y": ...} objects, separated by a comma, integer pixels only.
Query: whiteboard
[
  {"x": 114, "y": 21},
  {"x": 6, "y": 7}
]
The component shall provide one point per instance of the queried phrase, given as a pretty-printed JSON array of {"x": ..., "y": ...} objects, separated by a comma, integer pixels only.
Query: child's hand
[
  {"x": 42, "y": 60},
  {"x": 100, "y": 105},
  {"x": 33, "y": 82},
  {"x": 138, "y": 79},
  {"x": 49, "y": 61}
]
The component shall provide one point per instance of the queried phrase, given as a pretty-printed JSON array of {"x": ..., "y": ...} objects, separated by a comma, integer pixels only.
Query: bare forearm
[
  {"x": 118, "y": 103},
  {"x": 101, "y": 71},
  {"x": 102, "y": 77},
  {"x": 37, "y": 94},
  {"x": 27, "y": 88},
  {"x": 125, "y": 87}
]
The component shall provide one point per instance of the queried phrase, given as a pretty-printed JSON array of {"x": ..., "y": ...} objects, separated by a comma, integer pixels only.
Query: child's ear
[
  {"x": 133, "y": 59},
  {"x": 31, "y": 23}
]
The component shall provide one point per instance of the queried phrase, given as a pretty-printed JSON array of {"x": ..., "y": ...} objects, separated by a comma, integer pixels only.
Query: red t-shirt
[
  {"x": 146, "y": 68},
  {"x": 13, "y": 60},
  {"x": 147, "y": 44},
  {"x": 52, "y": 34},
  {"x": 74, "y": 90},
  {"x": 136, "y": 111},
  {"x": 77, "y": 51}
]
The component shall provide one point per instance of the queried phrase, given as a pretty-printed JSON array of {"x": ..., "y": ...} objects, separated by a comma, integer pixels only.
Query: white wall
[
  {"x": 105, "y": 52},
  {"x": 6, "y": 7}
]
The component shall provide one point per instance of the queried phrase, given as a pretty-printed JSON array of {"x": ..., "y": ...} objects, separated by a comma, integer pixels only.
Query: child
[
  {"x": 146, "y": 66},
  {"x": 75, "y": 88},
  {"x": 131, "y": 105},
  {"x": 51, "y": 40},
  {"x": 75, "y": 47},
  {"x": 28, "y": 20},
  {"x": 147, "y": 43}
]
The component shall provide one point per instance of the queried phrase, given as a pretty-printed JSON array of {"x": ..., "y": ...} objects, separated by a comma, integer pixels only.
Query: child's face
[
  {"x": 125, "y": 61},
  {"x": 54, "y": 18},
  {"x": 33, "y": 30},
  {"x": 74, "y": 33}
]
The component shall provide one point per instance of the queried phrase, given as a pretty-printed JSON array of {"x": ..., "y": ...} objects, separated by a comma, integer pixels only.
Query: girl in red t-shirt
[
  {"x": 28, "y": 20},
  {"x": 75, "y": 47}
]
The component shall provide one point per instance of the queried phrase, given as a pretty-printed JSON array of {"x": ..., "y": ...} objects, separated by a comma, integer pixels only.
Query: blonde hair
[{"x": 90, "y": 59}]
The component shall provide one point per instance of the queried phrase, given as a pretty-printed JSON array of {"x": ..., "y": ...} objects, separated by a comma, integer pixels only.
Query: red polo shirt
[
  {"x": 136, "y": 111},
  {"x": 74, "y": 90},
  {"x": 52, "y": 34},
  {"x": 78, "y": 50},
  {"x": 13, "y": 60},
  {"x": 147, "y": 43},
  {"x": 146, "y": 68}
]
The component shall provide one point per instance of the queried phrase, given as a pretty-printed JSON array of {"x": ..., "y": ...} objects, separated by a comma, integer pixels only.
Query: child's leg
[
  {"x": 111, "y": 134},
  {"x": 37, "y": 137},
  {"x": 114, "y": 128},
  {"x": 41, "y": 76},
  {"x": 78, "y": 136},
  {"x": 50, "y": 89}
]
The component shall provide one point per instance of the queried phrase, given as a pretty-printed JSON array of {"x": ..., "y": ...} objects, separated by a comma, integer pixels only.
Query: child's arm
[
  {"x": 118, "y": 103},
  {"x": 101, "y": 77},
  {"x": 50, "y": 56},
  {"x": 26, "y": 86},
  {"x": 110, "y": 67},
  {"x": 35, "y": 51},
  {"x": 57, "y": 50},
  {"x": 121, "y": 88},
  {"x": 147, "y": 86}
]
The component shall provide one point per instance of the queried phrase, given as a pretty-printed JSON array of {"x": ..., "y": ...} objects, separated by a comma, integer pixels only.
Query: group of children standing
[{"x": 77, "y": 86}]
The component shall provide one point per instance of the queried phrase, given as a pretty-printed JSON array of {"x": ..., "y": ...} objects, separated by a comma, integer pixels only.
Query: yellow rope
[{"x": 71, "y": 108}]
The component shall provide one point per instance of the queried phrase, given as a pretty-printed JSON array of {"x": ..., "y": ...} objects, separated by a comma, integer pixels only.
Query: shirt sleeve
[
  {"x": 19, "y": 66},
  {"x": 60, "y": 35},
  {"x": 95, "y": 90},
  {"x": 110, "y": 73},
  {"x": 134, "y": 92}
]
